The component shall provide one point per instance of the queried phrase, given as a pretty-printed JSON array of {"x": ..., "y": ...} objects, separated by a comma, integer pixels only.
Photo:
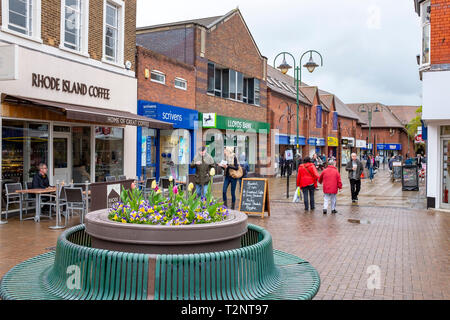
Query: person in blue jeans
[
  {"x": 230, "y": 162},
  {"x": 370, "y": 164},
  {"x": 245, "y": 168}
]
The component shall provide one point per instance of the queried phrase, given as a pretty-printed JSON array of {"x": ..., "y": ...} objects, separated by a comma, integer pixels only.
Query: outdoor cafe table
[{"x": 38, "y": 193}]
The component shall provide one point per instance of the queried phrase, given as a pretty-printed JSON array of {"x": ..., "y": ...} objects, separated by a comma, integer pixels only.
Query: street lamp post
[
  {"x": 289, "y": 115},
  {"x": 370, "y": 109},
  {"x": 284, "y": 68}
]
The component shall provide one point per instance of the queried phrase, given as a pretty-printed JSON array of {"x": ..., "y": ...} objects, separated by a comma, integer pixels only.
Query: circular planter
[{"x": 157, "y": 239}]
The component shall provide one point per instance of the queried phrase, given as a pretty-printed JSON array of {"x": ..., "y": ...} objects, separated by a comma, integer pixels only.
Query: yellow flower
[
  {"x": 116, "y": 217},
  {"x": 212, "y": 172},
  {"x": 159, "y": 191},
  {"x": 154, "y": 184},
  {"x": 124, "y": 221},
  {"x": 170, "y": 178},
  {"x": 191, "y": 186}
]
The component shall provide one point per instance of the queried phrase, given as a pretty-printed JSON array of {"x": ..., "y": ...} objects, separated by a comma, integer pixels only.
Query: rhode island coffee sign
[{"x": 68, "y": 86}]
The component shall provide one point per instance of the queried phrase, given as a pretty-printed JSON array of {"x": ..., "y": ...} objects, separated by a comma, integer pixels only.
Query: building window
[
  {"x": 232, "y": 84},
  {"x": 20, "y": 16},
  {"x": 180, "y": 83},
  {"x": 157, "y": 76},
  {"x": 257, "y": 96},
  {"x": 74, "y": 24},
  {"x": 211, "y": 80},
  {"x": 112, "y": 32},
  {"x": 218, "y": 82},
  {"x": 425, "y": 11}
]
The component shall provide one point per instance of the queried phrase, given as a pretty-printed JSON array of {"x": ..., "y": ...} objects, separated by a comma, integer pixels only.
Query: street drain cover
[
  {"x": 359, "y": 221},
  {"x": 51, "y": 248}
]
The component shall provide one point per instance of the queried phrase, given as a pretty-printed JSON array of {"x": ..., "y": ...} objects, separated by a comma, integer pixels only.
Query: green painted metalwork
[{"x": 77, "y": 271}]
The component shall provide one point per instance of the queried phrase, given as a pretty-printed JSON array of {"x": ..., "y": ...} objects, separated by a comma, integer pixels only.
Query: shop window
[
  {"x": 174, "y": 153},
  {"x": 180, "y": 83},
  {"x": 148, "y": 153},
  {"x": 445, "y": 130},
  {"x": 24, "y": 147},
  {"x": 81, "y": 153},
  {"x": 113, "y": 31},
  {"x": 425, "y": 11},
  {"x": 109, "y": 146}
]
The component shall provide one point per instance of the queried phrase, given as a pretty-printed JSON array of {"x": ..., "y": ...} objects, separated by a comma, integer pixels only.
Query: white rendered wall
[{"x": 436, "y": 95}]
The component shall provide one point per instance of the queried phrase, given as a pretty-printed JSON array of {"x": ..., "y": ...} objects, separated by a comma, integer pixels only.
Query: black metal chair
[
  {"x": 12, "y": 196},
  {"x": 28, "y": 198},
  {"x": 122, "y": 177},
  {"x": 75, "y": 201}
]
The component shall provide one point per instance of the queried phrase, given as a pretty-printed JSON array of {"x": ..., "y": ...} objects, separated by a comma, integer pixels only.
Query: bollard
[{"x": 57, "y": 226}]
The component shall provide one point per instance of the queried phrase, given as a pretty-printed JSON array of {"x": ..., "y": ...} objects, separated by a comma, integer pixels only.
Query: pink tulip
[{"x": 175, "y": 190}]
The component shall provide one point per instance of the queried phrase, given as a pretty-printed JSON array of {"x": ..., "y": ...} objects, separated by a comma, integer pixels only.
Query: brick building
[
  {"x": 68, "y": 89},
  {"x": 166, "y": 92},
  {"x": 230, "y": 92}
]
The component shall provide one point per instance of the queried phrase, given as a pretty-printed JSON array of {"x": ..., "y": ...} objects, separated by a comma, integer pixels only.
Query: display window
[
  {"x": 109, "y": 144},
  {"x": 174, "y": 154}
]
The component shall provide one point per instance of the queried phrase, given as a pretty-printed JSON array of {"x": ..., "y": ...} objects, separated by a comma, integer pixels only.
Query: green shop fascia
[{"x": 240, "y": 133}]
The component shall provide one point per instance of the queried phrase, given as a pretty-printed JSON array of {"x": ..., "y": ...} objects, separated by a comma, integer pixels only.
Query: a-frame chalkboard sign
[{"x": 254, "y": 197}]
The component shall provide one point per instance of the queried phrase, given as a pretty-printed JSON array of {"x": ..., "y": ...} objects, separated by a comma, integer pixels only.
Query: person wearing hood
[
  {"x": 331, "y": 180},
  {"x": 202, "y": 163},
  {"x": 307, "y": 181}
]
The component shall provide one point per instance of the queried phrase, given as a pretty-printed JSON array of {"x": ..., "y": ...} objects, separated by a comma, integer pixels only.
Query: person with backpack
[
  {"x": 307, "y": 181},
  {"x": 331, "y": 180}
]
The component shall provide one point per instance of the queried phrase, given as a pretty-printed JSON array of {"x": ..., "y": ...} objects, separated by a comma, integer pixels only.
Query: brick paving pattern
[{"x": 411, "y": 246}]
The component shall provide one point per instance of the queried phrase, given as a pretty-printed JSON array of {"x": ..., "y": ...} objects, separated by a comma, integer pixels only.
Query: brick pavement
[{"x": 410, "y": 246}]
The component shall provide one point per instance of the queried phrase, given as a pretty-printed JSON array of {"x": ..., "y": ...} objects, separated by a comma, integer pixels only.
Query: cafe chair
[
  {"x": 28, "y": 198},
  {"x": 85, "y": 189},
  {"x": 164, "y": 185},
  {"x": 51, "y": 202},
  {"x": 75, "y": 201},
  {"x": 121, "y": 178},
  {"x": 148, "y": 186},
  {"x": 12, "y": 196},
  {"x": 110, "y": 178}
]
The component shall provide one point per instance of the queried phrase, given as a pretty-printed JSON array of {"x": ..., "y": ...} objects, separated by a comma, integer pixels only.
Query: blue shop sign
[
  {"x": 289, "y": 140},
  {"x": 312, "y": 141},
  {"x": 320, "y": 142},
  {"x": 389, "y": 146},
  {"x": 180, "y": 117}
]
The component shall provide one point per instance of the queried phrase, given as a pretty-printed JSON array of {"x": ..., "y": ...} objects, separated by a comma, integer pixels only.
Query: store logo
[
  {"x": 209, "y": 120},
  {"x": 172, "y": 116}
]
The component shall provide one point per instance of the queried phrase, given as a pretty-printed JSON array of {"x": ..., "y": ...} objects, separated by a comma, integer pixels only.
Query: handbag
[{"x": 236, "y": 174}]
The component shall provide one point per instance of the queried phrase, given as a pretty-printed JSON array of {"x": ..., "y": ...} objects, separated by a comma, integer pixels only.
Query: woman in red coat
[
  {"x": 307, "y": 181},
  {"x": 331, "y": 180}
]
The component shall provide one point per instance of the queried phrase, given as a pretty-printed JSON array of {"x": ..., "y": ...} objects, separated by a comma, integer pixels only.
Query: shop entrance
[
  {"x": 62, "y": 157},
  {"x": 445, "y": 173}
]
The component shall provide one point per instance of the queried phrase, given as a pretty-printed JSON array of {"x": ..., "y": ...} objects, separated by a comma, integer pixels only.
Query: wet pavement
[{"x": 387, "y": 231}]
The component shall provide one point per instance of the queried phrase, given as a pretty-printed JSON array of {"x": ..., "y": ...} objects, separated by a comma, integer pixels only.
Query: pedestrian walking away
[
  {"x": 245, "y": 167},
  {"x": 355, "y": 169},
  {"x": 307, "y": 178},
  {"x": 229, "y": 163},
  {"x": 331, "y": 181},
  {"x": 370, "y": 165},
  {"x": 202, "y": 163}
]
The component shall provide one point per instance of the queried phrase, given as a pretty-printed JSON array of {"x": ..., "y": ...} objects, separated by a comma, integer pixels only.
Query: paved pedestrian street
[{"x": 396, "y": 238}]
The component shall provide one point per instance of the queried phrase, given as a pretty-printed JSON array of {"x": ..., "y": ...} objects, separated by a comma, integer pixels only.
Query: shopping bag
[{"x": 297, "y": 195}]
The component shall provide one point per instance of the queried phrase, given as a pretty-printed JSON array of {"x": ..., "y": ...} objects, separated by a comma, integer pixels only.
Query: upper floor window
[
  {"x": 22, "y": 18},
  {"x": 74, "y": 25},
  {"x": 158, "y": 76},
  {"x": 425, "y": 11},
  {"x": 180, "y": 83},
  {"x": 113, "y": 32}
]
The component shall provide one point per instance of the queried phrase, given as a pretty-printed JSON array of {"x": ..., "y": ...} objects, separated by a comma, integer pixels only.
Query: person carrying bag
[{"x": 307, "y": 180}]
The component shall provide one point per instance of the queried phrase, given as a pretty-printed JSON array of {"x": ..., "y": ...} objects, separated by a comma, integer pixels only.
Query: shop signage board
[
  {"x": 333, "y": 142},
  {"x": 361, "y": 143},
  {"x": 312, "y": 141},
  {"x": 320, "y": 142},
  {"x": 228, "y": 123},
  {"x": 180, "y": 117},
  {"x": 104, "y": 194},
  {"x": 389, "y": 146},
  {"x": 288, "y": 154},
  {"x": 254, "y": 198},
  {"x": 209, "y": 120},
  {"x": 397, "y": 169},
  {"x": 410, "y": 178}
]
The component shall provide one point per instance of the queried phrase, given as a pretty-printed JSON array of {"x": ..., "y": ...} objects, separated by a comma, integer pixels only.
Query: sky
[{"x": 369, "y": 47}]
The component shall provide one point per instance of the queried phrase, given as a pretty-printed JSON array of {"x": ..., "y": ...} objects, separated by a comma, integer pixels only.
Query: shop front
[
  {"x": 165, "y": 153},
  {"x": 361, "y": 148},
  {"x": 320, "y": 146},
  {"x": 333, "y": 144},
  {"x": 242, "y": 134},
  {"x": 285, "y": 142},
  {"x": 389, "y": 149},
  {"x": 347, "y": 143}
]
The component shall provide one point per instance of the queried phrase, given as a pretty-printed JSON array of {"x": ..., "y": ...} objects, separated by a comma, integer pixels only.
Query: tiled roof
[
  {"x": 327, "y": 101},
  {"x": 341, "y": 107},
  {"x": 283, "y": 84},
  {"x": 383, "y": 119},
  {"x": 404, "y": 113}
]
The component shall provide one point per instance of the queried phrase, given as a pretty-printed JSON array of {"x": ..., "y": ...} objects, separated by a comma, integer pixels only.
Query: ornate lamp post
[
  {"x": 284, "y": 68},
  {"x": 369, "y": 109},
  {"x": 288, "y": 114}
]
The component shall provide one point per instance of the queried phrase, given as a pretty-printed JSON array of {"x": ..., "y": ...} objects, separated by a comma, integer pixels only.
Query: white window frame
[
  {"x": 35, "y": 21},
  {"x": 180, "y": 80},
  {"x": 120, "y": 32},
  {"x": 158, "y": 73},
  {"x": 424, "y": 23},
  {"x": 84, "y": 29}
]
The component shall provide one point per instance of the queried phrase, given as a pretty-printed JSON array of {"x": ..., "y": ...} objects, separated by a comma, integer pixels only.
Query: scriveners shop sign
[{"x": 63, "y": 85}]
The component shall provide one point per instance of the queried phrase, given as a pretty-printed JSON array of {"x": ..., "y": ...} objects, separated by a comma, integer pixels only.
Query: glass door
[
  {"x": 62, "y": 159},
  {"x": 445, "y": 174}
]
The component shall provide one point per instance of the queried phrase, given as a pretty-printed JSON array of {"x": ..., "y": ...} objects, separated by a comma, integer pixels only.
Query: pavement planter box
[{"x": 246, "y": 269}]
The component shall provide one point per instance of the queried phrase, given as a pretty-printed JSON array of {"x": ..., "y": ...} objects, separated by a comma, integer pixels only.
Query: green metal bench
[{"x": 77, "y": 271}]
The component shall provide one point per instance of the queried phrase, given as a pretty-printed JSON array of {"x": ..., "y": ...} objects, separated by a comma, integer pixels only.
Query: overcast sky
[{"x": 369, "y": 47}]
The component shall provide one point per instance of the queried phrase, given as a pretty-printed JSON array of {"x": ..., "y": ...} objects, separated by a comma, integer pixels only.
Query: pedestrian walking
[
  {"x": 307, "y": 181},
  {"x": 229, "y": 163},
  {"x": 245, "y": 168},
  {"x": 331, "y": 181},
  {"x": 282, "y": 163},
  {"x": 355, "y": 169},
  {"x": 202, "y": 163},
  {"x": 370, "y": 165}
]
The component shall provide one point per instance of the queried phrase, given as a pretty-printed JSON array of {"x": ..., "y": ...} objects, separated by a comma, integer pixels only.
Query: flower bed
[{"x": 176, "y": 209}]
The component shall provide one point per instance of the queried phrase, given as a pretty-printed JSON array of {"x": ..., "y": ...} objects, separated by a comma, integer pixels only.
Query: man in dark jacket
[
  {"x": 202, "y": 163},
  {"x": 40, "y": 180},
  {"x": 354, "y": 168}
]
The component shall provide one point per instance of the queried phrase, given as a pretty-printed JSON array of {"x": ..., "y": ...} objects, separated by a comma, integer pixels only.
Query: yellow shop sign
[{"x": 332, "y": 142}]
